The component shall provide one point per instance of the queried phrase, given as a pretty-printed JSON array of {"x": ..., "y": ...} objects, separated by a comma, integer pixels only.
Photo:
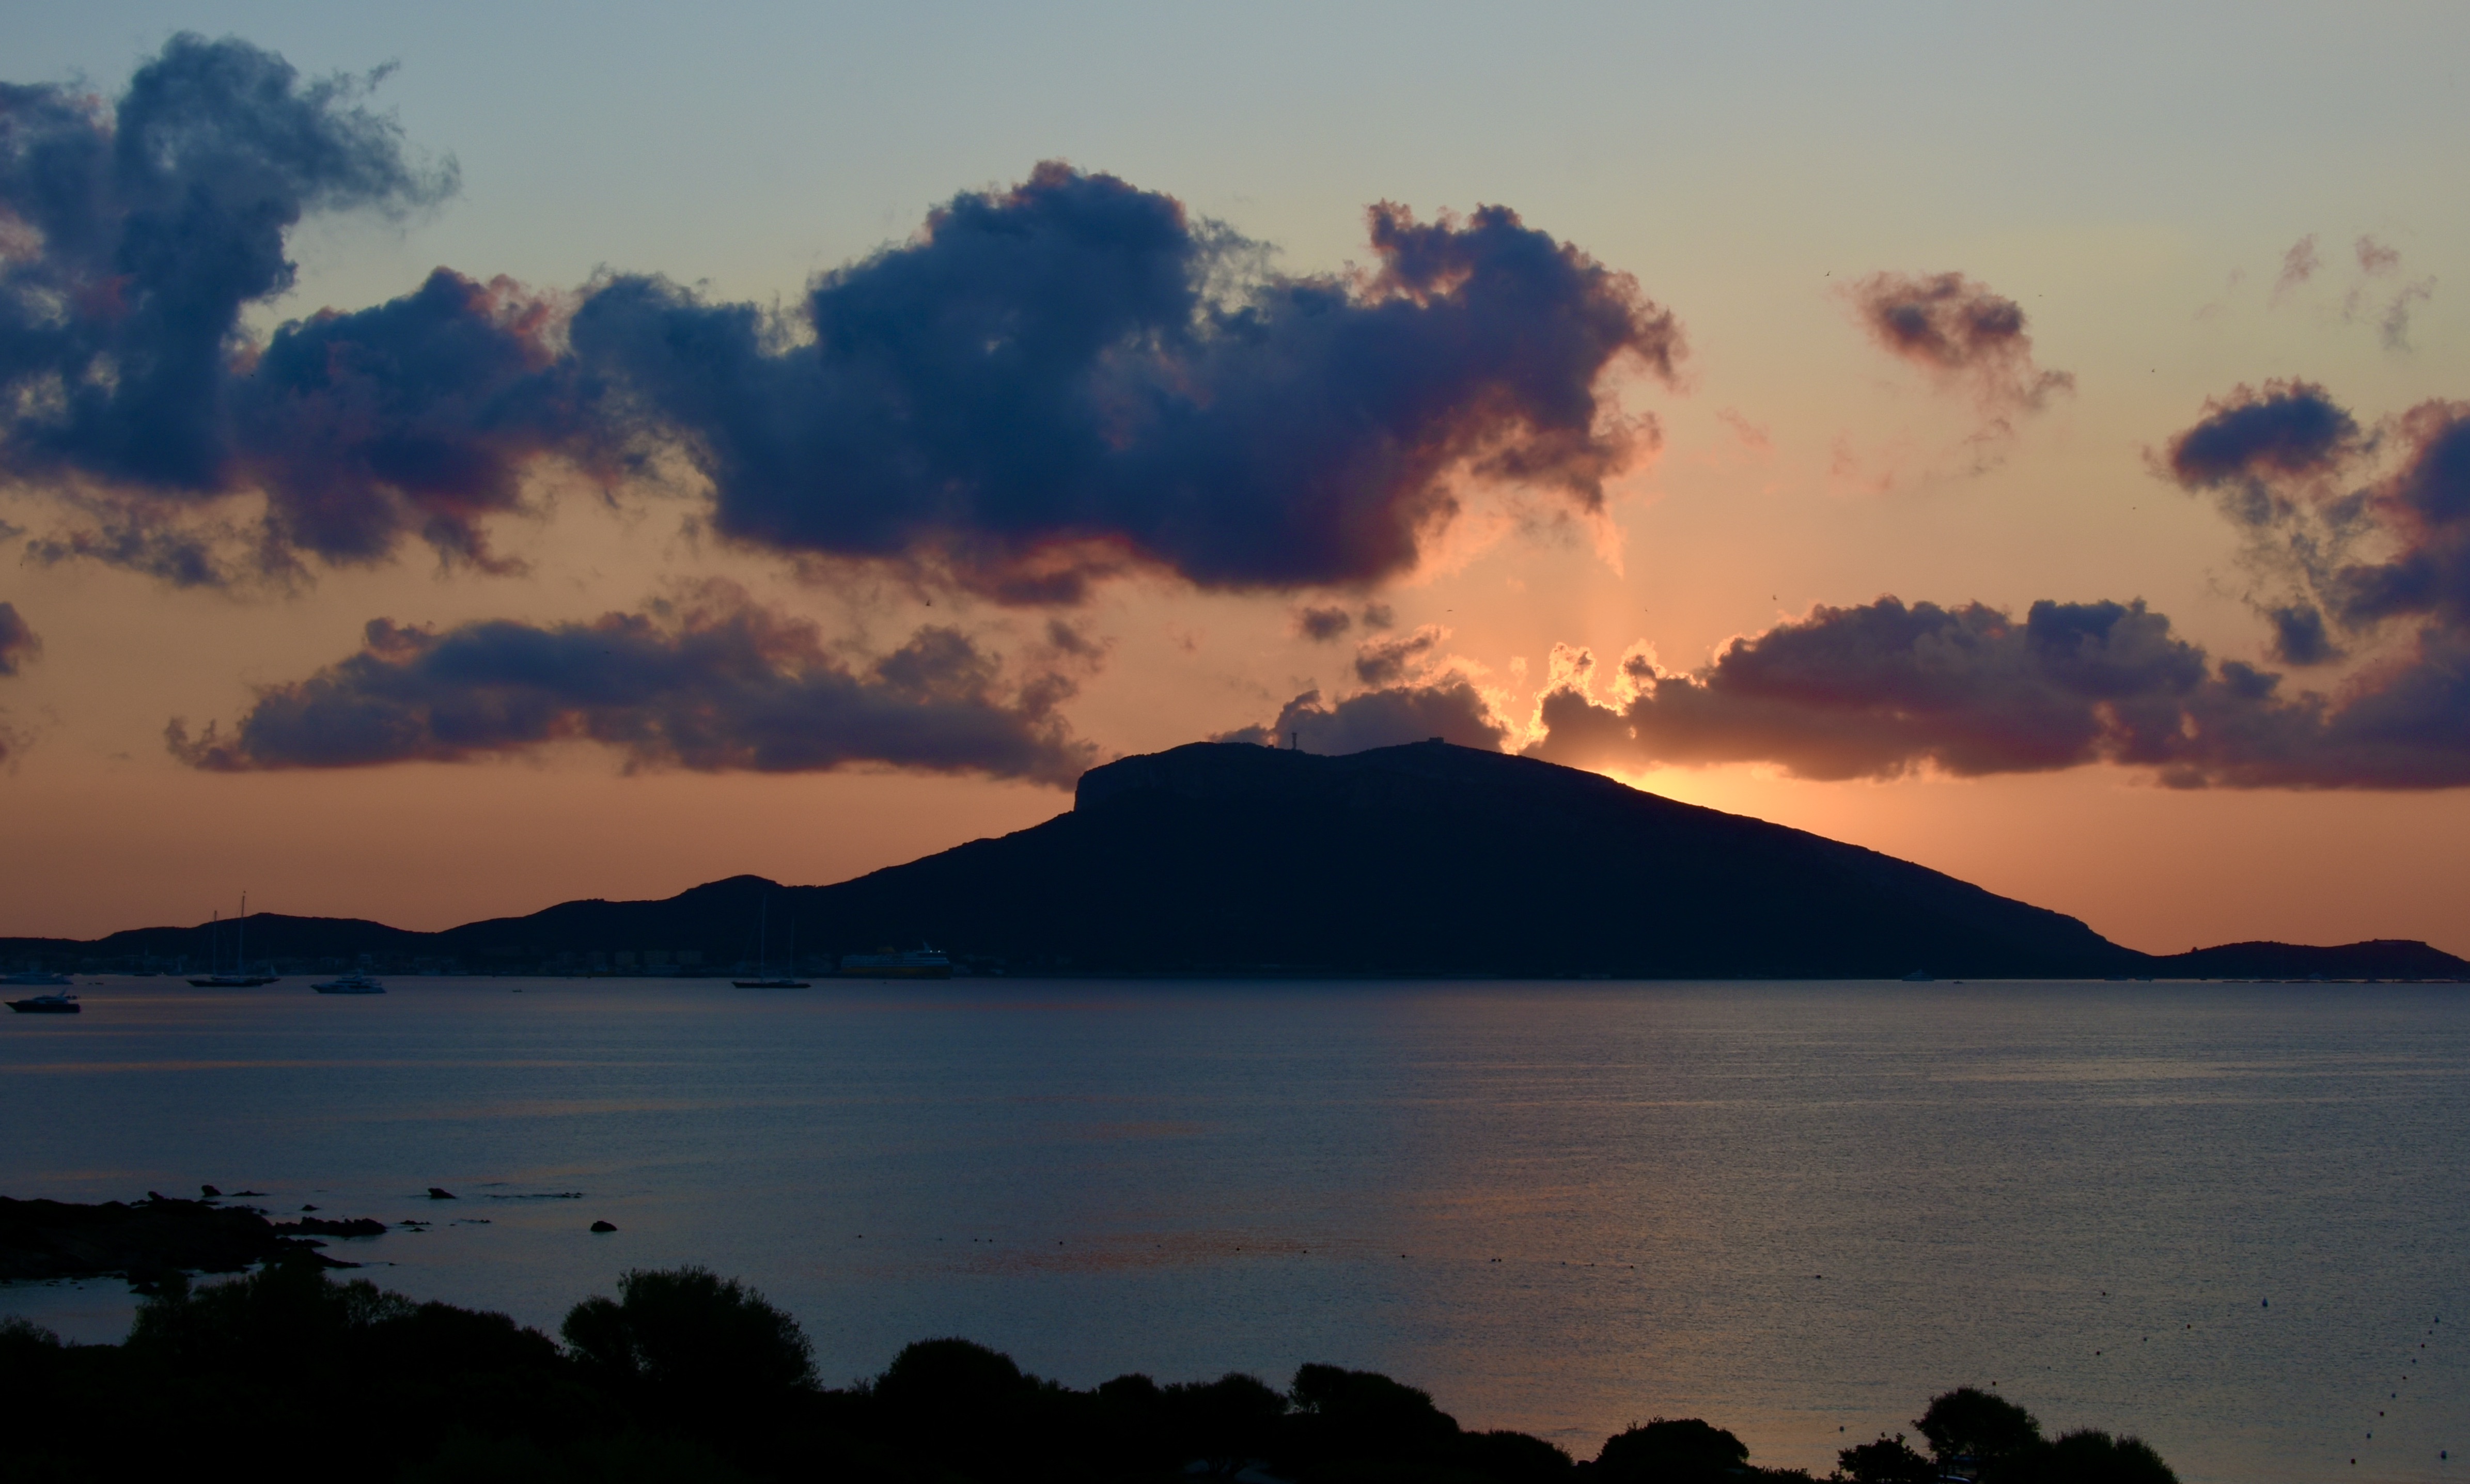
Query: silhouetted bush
[
  {"x": 2088, "y": 1456},
  {"x": 1341, "y": 1414},
  {"x": 684, "y": 1376},
  {"x": 2002, "y": 1443},
  {"x": 683, "y": 1336},
  {"x": 1887, "y": 1461},
  {"x": 1225, "y": 1423},
  {"x": 1676, "y": 1450},
  {"x": 1514, "y": 1458}
]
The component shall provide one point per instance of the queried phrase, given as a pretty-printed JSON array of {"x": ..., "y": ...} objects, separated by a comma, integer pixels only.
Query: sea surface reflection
[{"x": 2224, "y": 1216}]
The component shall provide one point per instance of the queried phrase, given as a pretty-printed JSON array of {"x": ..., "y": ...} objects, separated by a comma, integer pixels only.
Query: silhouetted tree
[
  {"x": 1675, "y": 1450},
  {"x": 1339, "y": 1414},
  {"x": 1887, "y": 1461},
  {"x": 2090, "y": 1456},
  {"x": 1969, "y": 1428},
  {"x": 1514, "y": 1458},
  {"x": 1227, "y": 1423},
  {"x": 690, "y": 1352}
]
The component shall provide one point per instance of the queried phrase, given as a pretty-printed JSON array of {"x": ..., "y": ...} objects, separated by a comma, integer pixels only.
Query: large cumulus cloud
[
  {"x": 712, "y": 682},
  {"x": 1072, "y": 376},
  {"x": 1046, "y": 384},
  {"x": 131, "y": 239},
  {"x": 1885, "y": 688}
]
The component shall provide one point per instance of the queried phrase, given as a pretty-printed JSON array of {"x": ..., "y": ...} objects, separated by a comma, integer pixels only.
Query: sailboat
[
  {"x": 240, "y": 978},
  {"x": 763, "y": 955}
]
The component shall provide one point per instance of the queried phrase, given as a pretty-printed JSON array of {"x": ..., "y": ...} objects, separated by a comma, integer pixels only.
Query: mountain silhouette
[{"x": 1424, "y": 860}]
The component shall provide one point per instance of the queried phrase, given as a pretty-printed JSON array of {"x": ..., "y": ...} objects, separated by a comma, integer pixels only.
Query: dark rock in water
[
  {"x": 260, "y": 1195},
  {"x": 211, "y": 1192},
  {"x": 319, "y": 1226},
  {"x": 308, "y": 1207},
  {"x": 602, "y": 1226},
  {"x": 440, "y": 1193},
  {"x": 145, "y": 1242}
]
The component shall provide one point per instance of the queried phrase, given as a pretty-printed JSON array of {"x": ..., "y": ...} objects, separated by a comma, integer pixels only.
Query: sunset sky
[{"x": 459, "y": 459}]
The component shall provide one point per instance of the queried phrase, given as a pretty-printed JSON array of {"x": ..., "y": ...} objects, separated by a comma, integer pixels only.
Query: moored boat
[
  {"x": 763, "y": 978},
  {"x": 351, "y": 983},
  {"x": 63, "y": 1003},
  {"x": 240, "y": 978},
  {"x": 31, "y": 977}
]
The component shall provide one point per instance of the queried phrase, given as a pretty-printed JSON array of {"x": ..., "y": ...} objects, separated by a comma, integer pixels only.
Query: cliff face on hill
[{"x": 1420, "y": 860}]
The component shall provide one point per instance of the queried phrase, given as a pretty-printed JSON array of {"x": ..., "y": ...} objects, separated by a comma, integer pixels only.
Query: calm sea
[{"x": 2226, "y": 1218}]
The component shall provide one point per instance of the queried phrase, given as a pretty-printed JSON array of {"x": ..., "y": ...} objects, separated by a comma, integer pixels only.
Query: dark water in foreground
[{"x": 1789, "y": 1208}]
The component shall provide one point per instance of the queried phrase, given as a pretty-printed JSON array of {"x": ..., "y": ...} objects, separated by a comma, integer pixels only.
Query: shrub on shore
[{"x": 685, "y": 1376}]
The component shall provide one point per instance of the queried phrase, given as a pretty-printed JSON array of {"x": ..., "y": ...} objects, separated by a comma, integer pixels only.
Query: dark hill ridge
[
  {"x": 1427, "y": 859},
  {"x": 1434, "y": 859}
]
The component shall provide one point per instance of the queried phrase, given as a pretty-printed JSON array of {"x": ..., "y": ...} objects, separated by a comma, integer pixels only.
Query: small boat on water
[
  {"x": 763, "y": 979},
  {"x": 239, "y": 978},
  {"x": 63, "y": 1003},
  {"x": 34, "y": 977},
  {"x": 351, "y": 983}
]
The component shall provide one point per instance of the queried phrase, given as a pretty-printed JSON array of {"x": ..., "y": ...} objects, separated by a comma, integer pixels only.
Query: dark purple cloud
[
  {"x": 415, "y": 418},
  {"x": 135, "y": 235},
  {"x": 1048, "y": 383},
  {"x": 2299, "y": 636},
  {"x": 18, "y": 641},
  {"x": 2289, "y": 431},
  {"x": 712, "y": 682},
  {"x": 2297, "y": 471},
  {"x": 2423, "y": 508},
  {"x": 1072, "y": 377},
  {"x": 1961, "y": 332},
  {"x": 1449, "y": 708},
  {"x": 1321, "y": 625},
  {"x": 1385, "y": 662},
  {"x": 1884, "y": 689}
]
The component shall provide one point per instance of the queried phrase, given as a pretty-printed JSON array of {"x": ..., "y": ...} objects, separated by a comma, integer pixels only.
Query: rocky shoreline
[{"x": 148, "y": 1242}]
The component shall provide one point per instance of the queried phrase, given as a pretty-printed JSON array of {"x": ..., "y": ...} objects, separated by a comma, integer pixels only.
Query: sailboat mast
[{"x": 240, "y": 937}]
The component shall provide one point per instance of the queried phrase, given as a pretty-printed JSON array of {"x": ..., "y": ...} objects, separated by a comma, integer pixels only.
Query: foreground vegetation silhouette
[{"x": 687, "y": 1375}]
